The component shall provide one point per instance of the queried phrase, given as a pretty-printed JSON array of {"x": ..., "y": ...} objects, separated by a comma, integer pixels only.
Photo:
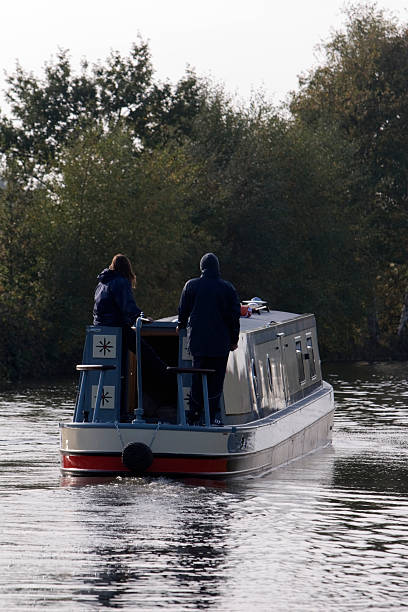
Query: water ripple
[{"x": 327, "y": 533}]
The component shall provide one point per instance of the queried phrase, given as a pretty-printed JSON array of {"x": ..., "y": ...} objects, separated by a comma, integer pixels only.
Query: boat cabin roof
[
  {"x": 265, "y": 319},
  {"x": 255, "y": 321}
]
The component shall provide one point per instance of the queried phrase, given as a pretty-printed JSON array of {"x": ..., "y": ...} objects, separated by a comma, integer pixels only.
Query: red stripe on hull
[{"x": 160, "y": 465}]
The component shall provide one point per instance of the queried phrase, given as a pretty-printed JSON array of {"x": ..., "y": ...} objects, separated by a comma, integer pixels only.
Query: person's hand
[{"x": 177, "y": 330}]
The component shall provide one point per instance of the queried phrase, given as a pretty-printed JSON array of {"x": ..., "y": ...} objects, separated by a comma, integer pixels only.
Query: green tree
[
  {"x": 87, "y": 169},
  {"x": 105, "y": 200},
  {"x": 46, "y": 113},
  {"x": 22, "y": 296},
  {"x": 361, "y": 88},
  {"x": 268, "y": 197}
]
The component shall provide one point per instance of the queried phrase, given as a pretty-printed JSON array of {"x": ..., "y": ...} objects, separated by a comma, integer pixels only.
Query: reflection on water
[{"x": 329, "y": 532}]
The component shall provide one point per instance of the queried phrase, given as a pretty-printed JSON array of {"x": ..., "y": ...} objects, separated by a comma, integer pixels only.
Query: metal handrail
[
  {"x": 180, "y": 400},
  {"x": 139, "y": 411},
  {"x": 84, "y": 369}
]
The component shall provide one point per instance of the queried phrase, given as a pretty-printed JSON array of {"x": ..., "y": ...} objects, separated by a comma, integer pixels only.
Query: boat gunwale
[{"x": 230, "y": 454}]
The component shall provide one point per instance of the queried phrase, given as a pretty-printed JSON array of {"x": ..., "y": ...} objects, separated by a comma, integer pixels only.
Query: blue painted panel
[{"x": 103, "y": 346}]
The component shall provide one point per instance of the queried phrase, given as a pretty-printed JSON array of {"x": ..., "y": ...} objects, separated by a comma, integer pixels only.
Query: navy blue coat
[
  {"x": 210, "y": 310},
  {"x": 114, "y": 301}
]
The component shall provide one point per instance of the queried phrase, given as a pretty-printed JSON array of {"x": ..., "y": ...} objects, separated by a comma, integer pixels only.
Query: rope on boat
[
  {"x": 120, "y": 435},
  {"x": 155, "y": 434},
  {"x": 121, "y": 439}
]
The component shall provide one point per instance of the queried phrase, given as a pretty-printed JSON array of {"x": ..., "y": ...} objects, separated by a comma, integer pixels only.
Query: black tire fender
[{"x": 137, "y": 457}]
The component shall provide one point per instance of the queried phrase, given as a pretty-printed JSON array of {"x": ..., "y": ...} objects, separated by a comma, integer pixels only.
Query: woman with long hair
[
  {"x": 115, "y": 306},
  {"x": 114, "y": 301}
]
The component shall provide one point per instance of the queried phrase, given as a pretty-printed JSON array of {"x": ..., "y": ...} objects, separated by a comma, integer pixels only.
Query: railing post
[
  {"x": 98, "y": 397},
  {"x": 80, "y": 402},
  {"x": 181, "y": 416},
  {"x": 139, "y": 411}
]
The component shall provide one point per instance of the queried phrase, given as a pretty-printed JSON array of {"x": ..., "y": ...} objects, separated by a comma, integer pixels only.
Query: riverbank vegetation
[{"x": 305, "y": 205}]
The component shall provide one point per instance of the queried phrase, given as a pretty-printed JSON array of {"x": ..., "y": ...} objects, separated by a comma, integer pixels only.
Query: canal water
[{"x": 326, "y": 533}]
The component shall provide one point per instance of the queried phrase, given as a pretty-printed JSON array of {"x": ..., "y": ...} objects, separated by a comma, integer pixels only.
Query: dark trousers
[{"x": 215, "y": 384}]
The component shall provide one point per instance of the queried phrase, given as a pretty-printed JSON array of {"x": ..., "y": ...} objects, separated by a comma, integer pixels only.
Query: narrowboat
[{"x": 275, "y": 406}]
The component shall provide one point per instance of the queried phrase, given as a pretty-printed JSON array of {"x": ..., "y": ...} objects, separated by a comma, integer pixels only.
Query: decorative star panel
[
  {"x": 108, "y": 397},
  {"x": 104, "y": 346}
]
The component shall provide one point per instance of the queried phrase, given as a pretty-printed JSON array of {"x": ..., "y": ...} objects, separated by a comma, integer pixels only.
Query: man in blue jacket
[{"x": 210, "y": 310}]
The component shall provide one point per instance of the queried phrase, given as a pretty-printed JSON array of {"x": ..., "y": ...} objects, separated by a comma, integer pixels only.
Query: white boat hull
[{"x": 291, "y": 433}]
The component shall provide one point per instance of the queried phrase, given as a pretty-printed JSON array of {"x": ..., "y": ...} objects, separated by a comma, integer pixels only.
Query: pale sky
[{"x": 247, "y": 46}]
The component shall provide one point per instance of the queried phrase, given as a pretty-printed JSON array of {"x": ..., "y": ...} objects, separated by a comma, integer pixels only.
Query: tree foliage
[
  {"x": 362, "y": 89},
  {"x": 48, "y": 113},
  {"x": 307, "y": 210}
]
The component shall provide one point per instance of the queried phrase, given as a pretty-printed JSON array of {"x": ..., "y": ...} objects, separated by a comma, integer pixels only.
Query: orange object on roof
[{"x": 246, "y": 311}]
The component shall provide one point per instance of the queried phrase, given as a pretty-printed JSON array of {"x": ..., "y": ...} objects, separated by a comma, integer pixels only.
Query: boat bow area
[{"x": 275, "y": 406}]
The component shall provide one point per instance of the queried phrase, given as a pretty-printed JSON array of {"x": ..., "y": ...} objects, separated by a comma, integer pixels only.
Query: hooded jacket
[
  {"x": 210, "y": 310},
  {"x": 114, "y": 303}
]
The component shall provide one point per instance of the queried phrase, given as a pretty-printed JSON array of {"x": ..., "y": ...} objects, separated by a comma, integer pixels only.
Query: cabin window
[
  {"x": 310, "y": 349},
  {"x": 269, "y": 370},
  {"x": 299, "y": 359}
]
